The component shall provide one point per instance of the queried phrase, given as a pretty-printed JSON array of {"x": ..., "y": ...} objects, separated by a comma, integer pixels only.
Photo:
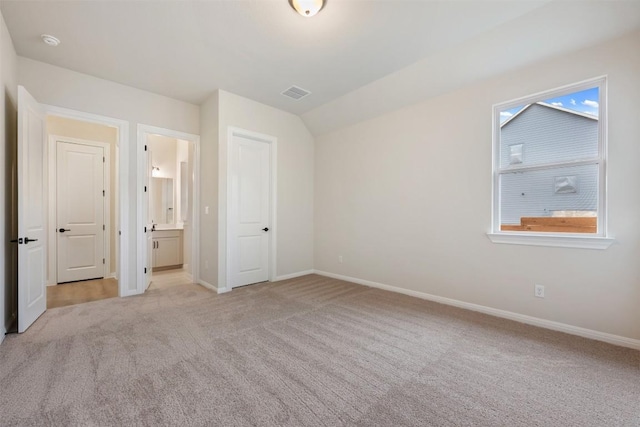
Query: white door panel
[
  {"x": 80, "y": 212},
  {"x": 250, "y": 249},
  {"x": 149, "y": 233},
  {"x": 249, "y": 220},
  {"x": 35, "y": 293},
  {"x": 32, "y": 296}
]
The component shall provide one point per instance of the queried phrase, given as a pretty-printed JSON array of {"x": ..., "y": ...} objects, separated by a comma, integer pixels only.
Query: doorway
[
  {"x": 83, "y": 223},
  {"x": 168, "y": 181},
  {"x": 34, "y": 224}
]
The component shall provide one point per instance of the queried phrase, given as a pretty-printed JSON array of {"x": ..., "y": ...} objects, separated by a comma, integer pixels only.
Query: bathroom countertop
[{"x": 168, "y": 228}]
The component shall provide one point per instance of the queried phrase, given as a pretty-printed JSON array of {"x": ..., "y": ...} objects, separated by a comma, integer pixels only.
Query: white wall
[
  {"x": 295, "y": 176},
  {"x": 184, "y": 153},
  {"x": 8, "y": 147},
  {"x": 163, "y": 155},
  {"x": 209, "y": 190},
  {"x": 64, "y": 88},
  {"x": 163, "y": 151},
  {"x": 294, "y": 226},
  {"x": 406, "y": 200}
]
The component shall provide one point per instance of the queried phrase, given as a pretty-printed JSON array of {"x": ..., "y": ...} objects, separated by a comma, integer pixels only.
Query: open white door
[
  {"x": 32, "y": 219},
  {"x": 249, "y": 213},
  {"x": 149, "y": 232}
]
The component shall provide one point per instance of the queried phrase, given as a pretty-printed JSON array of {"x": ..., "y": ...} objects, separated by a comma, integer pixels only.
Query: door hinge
[
  {"x": 103, "y": 227},
  {"x": 145, "y": 188},
  {"x": 103, "y": 159},
  {"x": 145, "y": 148},
  {"x": 103, "y": 260},
  {"x": 145, "y": 229},
  {"x": 145, "y": 270},
  {"x": 103, "y": 193}
]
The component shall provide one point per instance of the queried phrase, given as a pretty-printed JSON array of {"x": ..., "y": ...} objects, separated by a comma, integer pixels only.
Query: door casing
[{"x": 122, "y": 179}]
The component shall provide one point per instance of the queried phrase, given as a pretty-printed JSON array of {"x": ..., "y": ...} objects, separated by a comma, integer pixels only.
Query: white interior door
[
  {"x": 249, "y": 218},
  {"x": 32, "y": 219},
  {"x": 149, "y": 233},
  {"x": 80, "y": 193}
]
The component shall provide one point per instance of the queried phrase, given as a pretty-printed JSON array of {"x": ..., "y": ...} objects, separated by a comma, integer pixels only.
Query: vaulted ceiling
[{"x": 258, "y": 48}]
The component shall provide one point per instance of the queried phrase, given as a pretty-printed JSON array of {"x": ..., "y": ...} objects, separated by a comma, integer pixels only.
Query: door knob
[
  {"x": 265, "y": 229},
  {"x": 27, "y": 240},
  {"x": 62, "y": 230}
]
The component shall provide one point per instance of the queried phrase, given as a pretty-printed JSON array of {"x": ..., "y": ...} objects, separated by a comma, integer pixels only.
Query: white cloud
[
  {"x": 573, "y": 102},
  {"x": 505, "y": 114},
  {"x": 557, "y": 104},
  {"x": 590, "y": 103}
]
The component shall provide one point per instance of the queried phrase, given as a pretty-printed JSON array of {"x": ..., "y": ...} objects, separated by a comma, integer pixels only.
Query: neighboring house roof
[{"x": 555, "y": 107}]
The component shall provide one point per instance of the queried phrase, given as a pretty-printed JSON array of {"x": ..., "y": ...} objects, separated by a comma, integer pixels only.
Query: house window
[{"x": 549, "y": 163}]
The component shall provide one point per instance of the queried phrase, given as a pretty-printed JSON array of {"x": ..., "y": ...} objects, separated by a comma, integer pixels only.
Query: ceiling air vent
[{"x": 295, "y": 92}]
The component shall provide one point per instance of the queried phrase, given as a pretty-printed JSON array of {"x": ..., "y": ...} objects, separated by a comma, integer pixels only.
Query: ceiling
[
  {"x": 257, "y": 49},
  {"x": 359, "y": 58}
]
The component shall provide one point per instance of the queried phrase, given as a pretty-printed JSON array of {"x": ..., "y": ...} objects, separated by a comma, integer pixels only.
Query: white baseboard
[
  {"x": 212, "y": 287},
  {"x": 207, "y": 285},
  {"x": 293, "y": 275},
  {"x": 522, "y": 318},
  {"x": 111, "y": 275}
]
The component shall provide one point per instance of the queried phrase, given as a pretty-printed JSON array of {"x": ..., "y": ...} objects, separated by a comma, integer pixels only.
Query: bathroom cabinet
[{"x": 167, "y": 249}]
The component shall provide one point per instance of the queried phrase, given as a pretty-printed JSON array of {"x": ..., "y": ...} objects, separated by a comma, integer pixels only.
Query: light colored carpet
[{"x": 310, "y": 351}]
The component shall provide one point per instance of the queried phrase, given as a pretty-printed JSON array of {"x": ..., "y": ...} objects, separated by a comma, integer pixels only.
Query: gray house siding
[{"x": 548, "y": 135}]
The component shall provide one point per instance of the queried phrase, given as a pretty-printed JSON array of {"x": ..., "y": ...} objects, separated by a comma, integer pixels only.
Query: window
[{"x": 549, "y": 168}]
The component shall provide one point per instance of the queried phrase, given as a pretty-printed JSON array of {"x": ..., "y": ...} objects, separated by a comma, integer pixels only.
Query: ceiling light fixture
[
  {"x": 307, "y": 8},
  {"x": 50, "y": 40}
]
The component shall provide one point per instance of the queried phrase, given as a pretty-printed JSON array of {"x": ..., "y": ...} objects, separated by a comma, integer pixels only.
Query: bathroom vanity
[{"x": 167, "y": 249}]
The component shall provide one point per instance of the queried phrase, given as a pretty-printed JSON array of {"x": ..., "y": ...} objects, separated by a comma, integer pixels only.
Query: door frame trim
[
  {"x": 122, "y": 213},
  {"x": 142, "y": 131},
  {"x": 52, "y": 262},
  {"x": 224, "y": 203}
]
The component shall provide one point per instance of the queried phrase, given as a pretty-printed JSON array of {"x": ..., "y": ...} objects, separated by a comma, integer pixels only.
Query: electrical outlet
[
  {"x": 538, "y": 291},
  {"x": 340, "y": 259}
]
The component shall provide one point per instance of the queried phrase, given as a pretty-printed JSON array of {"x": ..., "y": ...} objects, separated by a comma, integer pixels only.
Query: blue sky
[{"x": 586, "y": 101}]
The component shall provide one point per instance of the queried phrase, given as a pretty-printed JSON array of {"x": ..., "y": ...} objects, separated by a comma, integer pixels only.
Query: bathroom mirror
[{"x": 162, "y": 192}]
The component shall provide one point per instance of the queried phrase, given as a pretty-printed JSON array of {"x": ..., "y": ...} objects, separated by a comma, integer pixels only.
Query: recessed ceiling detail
[{"x": 295, "y": 92}]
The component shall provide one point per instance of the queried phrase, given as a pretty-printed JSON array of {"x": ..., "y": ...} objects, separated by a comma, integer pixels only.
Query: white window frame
[{"x": 599, "y": 240}]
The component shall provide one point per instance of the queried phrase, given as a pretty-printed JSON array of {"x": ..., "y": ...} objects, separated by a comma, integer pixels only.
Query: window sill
[{"x": 554, "y": 240}]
